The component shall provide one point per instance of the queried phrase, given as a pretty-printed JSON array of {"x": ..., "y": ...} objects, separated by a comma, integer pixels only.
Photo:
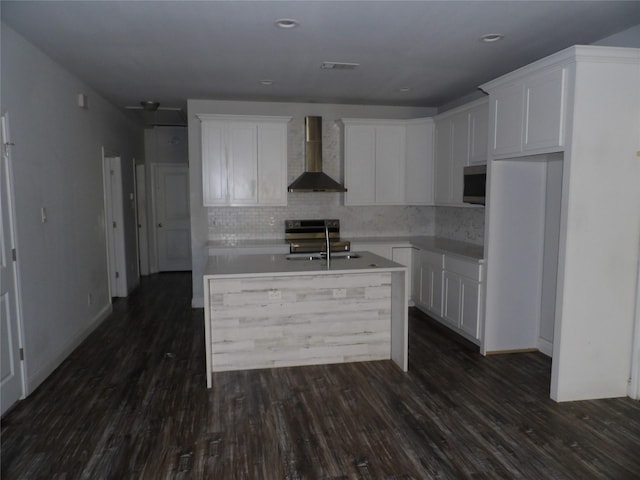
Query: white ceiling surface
[{"x": 169, "y": 51}]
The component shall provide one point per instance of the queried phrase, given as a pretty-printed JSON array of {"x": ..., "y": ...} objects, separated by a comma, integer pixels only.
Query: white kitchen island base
[{"x": 264, "y": 311}]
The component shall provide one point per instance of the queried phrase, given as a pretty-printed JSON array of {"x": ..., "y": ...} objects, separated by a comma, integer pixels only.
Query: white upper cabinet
[
  {"x": 388, "y": 162},
  {"x": 374, "y": 153},
  {"x": 545, "y": 111},
  {"x": 528, "y": 113},
  {"x": 479, "y": 133},
  {"x": 244, "y": 160},
  {"x": 461, "y": 140},
  {"x": 419, "y": 184}
]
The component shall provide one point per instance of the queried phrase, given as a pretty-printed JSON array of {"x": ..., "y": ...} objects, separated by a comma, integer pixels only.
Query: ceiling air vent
[{"x": 339, "y": 66}]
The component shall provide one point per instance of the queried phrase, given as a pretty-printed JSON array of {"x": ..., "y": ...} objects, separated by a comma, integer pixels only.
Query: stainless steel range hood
[{"x": 314, "y": 179}]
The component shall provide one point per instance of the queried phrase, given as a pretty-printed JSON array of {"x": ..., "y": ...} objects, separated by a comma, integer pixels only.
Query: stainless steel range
[{"x": 310, "y": 236}]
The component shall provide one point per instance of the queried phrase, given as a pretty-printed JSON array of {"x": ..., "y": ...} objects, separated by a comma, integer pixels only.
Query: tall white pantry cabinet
[{"x": 578, "y": 110}]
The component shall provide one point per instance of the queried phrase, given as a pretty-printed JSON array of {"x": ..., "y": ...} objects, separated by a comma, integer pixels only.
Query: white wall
[
  {"x": 58, "y": 165},
  {"x": 600, "y": 232},
  {"x": 269, "y": 222},
  {"x": 626, "y": 38}
]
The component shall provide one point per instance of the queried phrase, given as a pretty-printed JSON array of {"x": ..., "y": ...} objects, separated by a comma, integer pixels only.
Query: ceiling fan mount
[{"x": 151, "y": 106}]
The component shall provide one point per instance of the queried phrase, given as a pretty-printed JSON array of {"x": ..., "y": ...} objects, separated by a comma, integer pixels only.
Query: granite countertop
[
  {"x": 437, "y": 244},
  {"x": 281, "y": 265}
]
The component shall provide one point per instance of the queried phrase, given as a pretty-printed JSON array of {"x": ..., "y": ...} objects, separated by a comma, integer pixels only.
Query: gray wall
[{"x": 57, "y": 164}]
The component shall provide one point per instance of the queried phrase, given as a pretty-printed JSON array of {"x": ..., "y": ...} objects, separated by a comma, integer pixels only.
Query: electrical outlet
[{"x": 89, "y": 299}]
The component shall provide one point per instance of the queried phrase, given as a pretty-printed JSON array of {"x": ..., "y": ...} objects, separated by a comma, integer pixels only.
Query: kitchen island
[{"x": 264, "y": 311}]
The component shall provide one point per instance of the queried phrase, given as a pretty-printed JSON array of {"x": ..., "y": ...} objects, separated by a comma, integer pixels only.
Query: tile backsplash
[
  {"x": 230, "y": 224},
  {"x": 462, "y": 224}
]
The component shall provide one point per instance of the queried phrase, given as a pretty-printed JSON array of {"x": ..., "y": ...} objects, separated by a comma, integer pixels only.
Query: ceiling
[{"x": 169, "y": 51}]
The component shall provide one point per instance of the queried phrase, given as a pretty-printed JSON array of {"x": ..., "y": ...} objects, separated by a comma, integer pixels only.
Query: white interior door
[
  {"x": 114, "y": 218},
  {"x": 11, "y": 366},
  {"x": 173, "y": 230}
]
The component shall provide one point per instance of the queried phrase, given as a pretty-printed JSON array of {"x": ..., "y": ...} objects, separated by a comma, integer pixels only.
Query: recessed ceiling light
[
  {"x": 287, "y": 23},
  {"x": 491, "y": 37},
  {"x": 404, "y": 89},
  {"x": 266, "y": 82}
]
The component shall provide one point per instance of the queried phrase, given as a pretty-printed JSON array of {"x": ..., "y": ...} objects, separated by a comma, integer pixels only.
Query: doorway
[
  {"x": 172, "y": 221},
  {"x": 12, "y": 380}
]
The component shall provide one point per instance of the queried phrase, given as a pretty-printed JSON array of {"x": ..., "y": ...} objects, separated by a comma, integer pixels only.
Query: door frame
[{"x": 15, "y": 270}]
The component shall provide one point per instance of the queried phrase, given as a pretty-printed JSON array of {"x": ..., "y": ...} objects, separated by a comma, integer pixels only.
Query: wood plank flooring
[{"x": 131, "y": 402}]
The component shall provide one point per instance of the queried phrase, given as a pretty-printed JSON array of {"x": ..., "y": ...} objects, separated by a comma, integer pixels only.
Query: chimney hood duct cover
[{"x": 314, "y": 179}]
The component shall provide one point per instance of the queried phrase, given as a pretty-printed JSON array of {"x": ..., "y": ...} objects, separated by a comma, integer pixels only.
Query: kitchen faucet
[{"x": 326, "y": 237}]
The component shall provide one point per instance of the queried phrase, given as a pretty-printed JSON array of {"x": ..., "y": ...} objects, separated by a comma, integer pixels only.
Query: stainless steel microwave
[{"x": 475, "y": 184}]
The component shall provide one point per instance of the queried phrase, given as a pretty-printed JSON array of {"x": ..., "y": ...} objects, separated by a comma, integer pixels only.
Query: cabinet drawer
[{"x": 466, "y": 268}]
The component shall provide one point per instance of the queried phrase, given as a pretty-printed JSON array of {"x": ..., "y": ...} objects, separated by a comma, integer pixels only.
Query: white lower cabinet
[
  {"x": 452, "y": 295},
  {"x": 471, "y": 296},
  {"x": 431, "y": 264},
  {"x": 451, "y": 292},
  {"x": 449, "y": 288}
]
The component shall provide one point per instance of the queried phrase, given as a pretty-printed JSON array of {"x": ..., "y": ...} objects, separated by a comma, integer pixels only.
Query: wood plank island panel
[{"x": 265, "y": 322}]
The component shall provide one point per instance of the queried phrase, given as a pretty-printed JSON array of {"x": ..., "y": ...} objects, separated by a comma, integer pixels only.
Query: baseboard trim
[
  {"x": 515, "y": 350},
  {"x": 197, "y": 302},
  {"x": 546, "y": 347},
  {"x": 35, "y": 380}
]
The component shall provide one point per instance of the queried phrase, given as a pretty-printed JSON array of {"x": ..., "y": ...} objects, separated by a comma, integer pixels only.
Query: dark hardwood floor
[{"x": 131, "y": 402}]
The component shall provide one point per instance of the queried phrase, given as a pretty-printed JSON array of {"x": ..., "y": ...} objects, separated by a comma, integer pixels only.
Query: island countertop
[{"x": 230, "y": 266}]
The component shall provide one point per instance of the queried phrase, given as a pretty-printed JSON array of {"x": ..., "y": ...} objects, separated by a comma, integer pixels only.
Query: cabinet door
[
  {"x": 419, "y": 163},
  {"x": 459, "y": 156},
  {"x": 431, "y": 282},
  {"x": 243, "y": 164},
  {"x": 360, "y": 155},
  {"x": 469, "y": 321},
  {"x": 452, "y": 295},
  {"x": 544, "y": 121},
  {"x": 214, "y": 163},
  {"x": 507, "y": 105},
  {"x": 272, "y": 164},
  {"x": 478, "y": 134},
  {"x": 389, "y": 165},
  {"x": 415, "y": 275},
  {"x": 442, "y": 161}
]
